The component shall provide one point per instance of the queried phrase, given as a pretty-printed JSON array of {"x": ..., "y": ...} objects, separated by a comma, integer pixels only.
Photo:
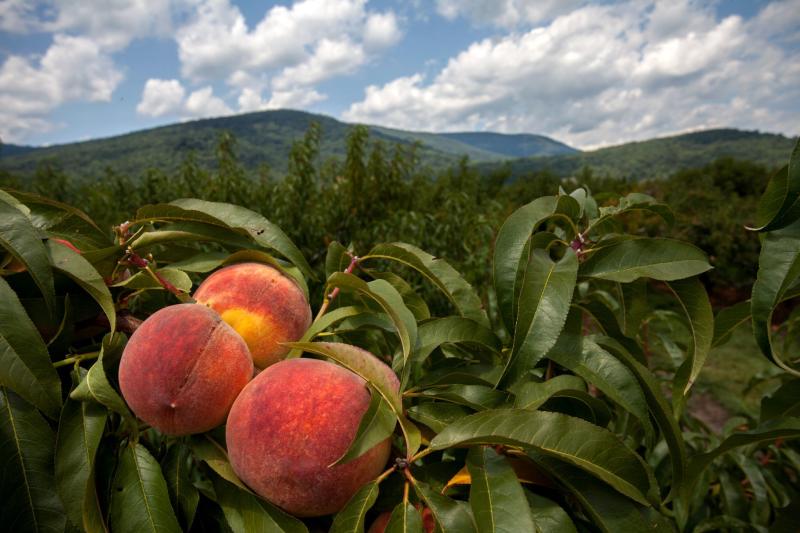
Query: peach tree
[{"x": 554, "y": 401}]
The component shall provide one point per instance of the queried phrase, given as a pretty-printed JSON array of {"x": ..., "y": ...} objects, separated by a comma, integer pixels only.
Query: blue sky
[{"x": 586, "y": 73}]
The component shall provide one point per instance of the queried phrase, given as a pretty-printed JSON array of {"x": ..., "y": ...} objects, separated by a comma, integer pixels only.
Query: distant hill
[
  {"x": 661, "y": 157},
  {"x": 515, "y": 145},
  {"x": 262, "y": 138}
]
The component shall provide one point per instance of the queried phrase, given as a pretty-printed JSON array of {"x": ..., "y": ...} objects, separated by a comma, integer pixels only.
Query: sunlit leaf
[{"x": 661, "y": 259}]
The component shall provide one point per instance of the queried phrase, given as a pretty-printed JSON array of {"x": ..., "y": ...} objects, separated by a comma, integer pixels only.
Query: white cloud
[
  {"x": 381, "y": 31},
  {"x": 330, "y": 58},
  {"x": 605, "y": 74},
  {"x": 295, "y": 98},
  {"x": 17, "y": 16},
  {"x": 72, "y": 69},
  {"x": 168, "y": 97},
  {"x": 203, "y": 103},
  {"x": 504, "y": 13},
  {"x": 161, "y": 97}
]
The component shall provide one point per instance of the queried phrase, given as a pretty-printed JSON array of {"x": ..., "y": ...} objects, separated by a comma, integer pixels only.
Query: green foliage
[{"x": 531, "y": 401}]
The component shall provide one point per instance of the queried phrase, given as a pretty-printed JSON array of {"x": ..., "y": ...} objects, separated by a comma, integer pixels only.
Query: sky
[{"x": 589, "y": 74}]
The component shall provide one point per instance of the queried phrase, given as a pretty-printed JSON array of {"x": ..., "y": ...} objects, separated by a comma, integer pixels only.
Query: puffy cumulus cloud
[
  {"x": 505, "y": 13},
  {"x": 381, "y": 31},
  {"x": 161, "y": 97},
  {"x": 168, "y": 97},
  {"x": 606, "y": 74},
  {"x": 296, "y": 47},
  {"x": 72, "y": 69},
  {"x": 203, "y": 103},
  {"x": 296, "y": 98}
]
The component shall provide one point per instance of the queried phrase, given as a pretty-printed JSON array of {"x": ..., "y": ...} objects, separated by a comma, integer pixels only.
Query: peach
[
  {"x": 182, "y": 369},
  {"x": 265, "y": 307},
  {"x": 290, "y": 423}
]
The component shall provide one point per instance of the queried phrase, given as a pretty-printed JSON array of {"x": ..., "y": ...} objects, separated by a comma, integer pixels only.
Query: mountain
[
  {"x": 515, "y": 145},
  {"x": 661, "y": 157},
  {"x": 261, "y": 138}
]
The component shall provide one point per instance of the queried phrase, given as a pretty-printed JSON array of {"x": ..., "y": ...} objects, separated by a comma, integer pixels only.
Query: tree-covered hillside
[{"x": 660, "y": 158}]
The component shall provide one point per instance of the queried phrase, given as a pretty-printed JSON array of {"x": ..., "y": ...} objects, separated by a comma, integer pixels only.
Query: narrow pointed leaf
[
  {"x": 784, "y": 402},
  {"x": 259, "y": 228},
  {"x": 661, "y": 259},
  {"x": 413, "y": 301},
  {"x": 608, "y": 510},
  {"x": 25, "y": 365},
  {"x": 246, "y": 513},
  {"x": 404, "y": 519},
  {"x": 437, "y": 415},
  {"x": 478, "y": 397},
  {"x": 460, "y": 293},
  {"x": 183, "y": 494},
  {"x": 22, "y": 240},
  {"x": 778, "y": 269},
  {"x": 140, "y": 501},
  {"x": 452, "y": 329},
  {"x": 496, "y": 496},
  {"x": 780, "y": 203},
  {"x": 206, "y": 449},
  {"x": 351, "y": 518},
  {"x": 531, "y": 394},
  {"x": 451, "y": 516},
  {"x": 96, "y": 386},
  {"x": 560, "y": 436},
  {"x": 81, "y": 271},
  {"x": 548, "y": 516},
  {"x": 693, "y": 299},
  {"x": 544, "y": 305},
  {"x": 28, "y": 498},
  {"x": 729, "y": 319},
  {"x": 80, "y": 429},
  {"x": 509, "y": 248},
  {"x": 144, "y": 281}
]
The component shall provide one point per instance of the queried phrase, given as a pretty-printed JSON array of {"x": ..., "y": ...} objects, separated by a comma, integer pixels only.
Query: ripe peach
[
  {"x": 182, "y": 369},
  {"x": 289, "y": 424},
  {"x": 265, "y": 307}
]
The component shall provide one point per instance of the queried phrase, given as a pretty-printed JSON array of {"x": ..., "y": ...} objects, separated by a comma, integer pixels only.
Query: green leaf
[
  {"x": 259, "y": 228},
  {"x": 788, "y": 428},
  {"x": 548, "y": 516},
  {"x": 496, "y": 496},
  {"x": 694, "y": 301},
  {"x": 376, "y": 426},
  {"x": 96, "y": 387},
  {"x": 63, "y": 221},
  {"x": 81, "y": 271},
  {"x": 478, "y": 397},
  {"x": 600, "y": 368},
  {"x": 182, "y": 493},
  {"x": 375, "y": 373},
  {"x": 139, "y": 497},
  {"x": 143, "y": 280},
  {"x": 404, "y": 519},
  {"x": 780, "y": 203},
  {"x": 437, "y": 415},
  {"x": 246, "y": 513},
  {"x": 323, "y": 322},
  {"x": 460, "y": 293},
  {"x": 607, "y": 510},
  {"x": 201, "y": 263},
  {"x": 206, "y": 449},
  {"x": 509, "y": 248},
  {"x": 28, "y": 498},
  {"x": 80, "y": 429},
  {"x": 544, "y": 304},
  {"x": 25, "y": 365},
  {"x": 782, "y": 403},
  {"x": 633, "y": 306},
  {"x": 351, "y": 518},
  {"x": 192, "y": 232},
  {"x": 729, "y": 319},
  {"x": 531, "y": 394},
  {"x": 594, "y": 449},
  {"x": 635, "y": 201},
  {"x": 661, "y": 259},
  {"x": 390, "y": 301},
  {"x": 336, "y": 259},
  {"x": 778, "y": 269},
  {"x": 451, "y": 516},
  {"x": 413, "y": 301},
  {"x": 452, "y": 329},
  {"x": 24, "y": 242}
]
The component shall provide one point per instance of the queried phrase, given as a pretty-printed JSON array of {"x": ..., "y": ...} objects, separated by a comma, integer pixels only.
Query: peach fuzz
[
  {"x": 265, "y": 307},
  {"x": 182, "y": 369},
  {"x": 290, "y": 423}
]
